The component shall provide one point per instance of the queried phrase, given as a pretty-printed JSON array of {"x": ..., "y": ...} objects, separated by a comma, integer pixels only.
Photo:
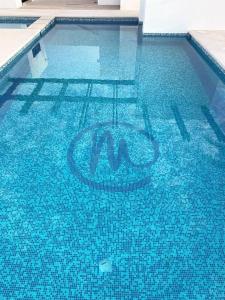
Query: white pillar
[
  {"x": 130, "y": 5},
  {"x": 10, "y": 3},
  {"x": 142, "y": 10},
  {"x": 108, "y": 2}
]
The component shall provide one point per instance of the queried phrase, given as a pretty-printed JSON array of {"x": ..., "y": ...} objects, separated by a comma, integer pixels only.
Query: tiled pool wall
[
  {"x": 218, "y": 69},
  {"x": 169, "y": 35},
  {"x": 18, "y": 20},
  {"x": 118, "y": 21}
]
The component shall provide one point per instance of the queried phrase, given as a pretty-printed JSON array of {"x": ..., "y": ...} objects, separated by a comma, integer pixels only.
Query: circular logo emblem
[{"x": 113, "y": 158}]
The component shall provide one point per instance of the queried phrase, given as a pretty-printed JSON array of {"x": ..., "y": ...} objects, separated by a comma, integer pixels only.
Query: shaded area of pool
[{"x": 112, "y": 169}]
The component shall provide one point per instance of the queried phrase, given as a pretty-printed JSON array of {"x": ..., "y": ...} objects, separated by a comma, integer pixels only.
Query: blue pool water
[
  {"x": 19, "y": 23},
  {"x": 112, "y": 169}
]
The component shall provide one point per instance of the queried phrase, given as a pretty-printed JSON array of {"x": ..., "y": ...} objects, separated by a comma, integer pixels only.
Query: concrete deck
[
  {"x": 213, "y": 42},
  {"x": 15, "y": 40},
  {"x": 101, "y": 13},
  {"x": 66, "y": 4},
  {"x": 11, "y": 44}
]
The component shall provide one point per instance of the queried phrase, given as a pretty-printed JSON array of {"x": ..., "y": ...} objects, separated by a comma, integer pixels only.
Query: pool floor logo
[{"x": 113, "y": 158}]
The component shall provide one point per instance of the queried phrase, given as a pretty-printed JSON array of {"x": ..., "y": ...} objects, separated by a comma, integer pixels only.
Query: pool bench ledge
[
  {"x": 212, "y": 44},
  {"x": 17, "y": 41},
  {"x": 209, "y": 43}
]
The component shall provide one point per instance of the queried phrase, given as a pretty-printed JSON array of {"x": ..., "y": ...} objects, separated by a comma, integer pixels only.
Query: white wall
[
  {"x": 10, "y": 3},
  {"x": 129, "y": 4},
  {"x": 124, "y": 4},
  {"x": 178, "y": 16}
]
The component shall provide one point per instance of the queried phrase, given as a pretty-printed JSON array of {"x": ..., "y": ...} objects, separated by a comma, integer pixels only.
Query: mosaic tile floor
[{"x": 112, "y": 169}]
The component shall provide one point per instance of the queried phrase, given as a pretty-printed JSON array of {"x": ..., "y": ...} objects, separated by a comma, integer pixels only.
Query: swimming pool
[
  {"x": 112, "y": 169},
  {"x": 16, "y": 22}
]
